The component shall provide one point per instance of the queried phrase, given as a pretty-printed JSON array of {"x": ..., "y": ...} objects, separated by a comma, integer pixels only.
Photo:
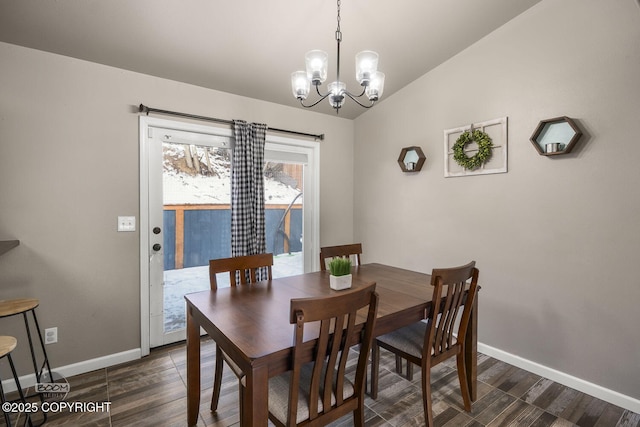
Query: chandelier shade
[
  {"x": 375, "y": 87},
  {"x": 317, "y": 63},
  {"x": 366, "y": 66},
  {"x": 300, "y": 84},
  {"x": 336, "y": 93}
]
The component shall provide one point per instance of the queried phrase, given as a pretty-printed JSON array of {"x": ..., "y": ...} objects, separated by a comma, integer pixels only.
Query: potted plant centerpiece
[{"x": 340, "y": 277}]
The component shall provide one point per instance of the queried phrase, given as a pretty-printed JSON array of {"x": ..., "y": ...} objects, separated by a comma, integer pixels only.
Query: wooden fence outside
[{"x": 193, "y": 234}]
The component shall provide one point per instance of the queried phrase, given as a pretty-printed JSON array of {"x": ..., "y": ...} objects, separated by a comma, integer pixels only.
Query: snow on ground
[
  {"x": 177, "y": 283},
  {"x": 214, "y": 186},
  {"x": 182, "y": 189}
]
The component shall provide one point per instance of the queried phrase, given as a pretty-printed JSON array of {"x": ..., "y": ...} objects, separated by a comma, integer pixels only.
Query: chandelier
[{"x": 367, "y": 74}]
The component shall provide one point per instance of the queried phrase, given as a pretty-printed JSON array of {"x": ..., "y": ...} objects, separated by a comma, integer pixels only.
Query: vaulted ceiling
[{"x": 251, "y": 47}]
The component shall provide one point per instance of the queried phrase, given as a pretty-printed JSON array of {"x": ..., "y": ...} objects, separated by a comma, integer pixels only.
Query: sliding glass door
[{"x": 189, "y": 217}]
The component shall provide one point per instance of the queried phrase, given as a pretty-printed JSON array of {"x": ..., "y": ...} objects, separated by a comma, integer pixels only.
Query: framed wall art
[{"x": 476, "y": 149}]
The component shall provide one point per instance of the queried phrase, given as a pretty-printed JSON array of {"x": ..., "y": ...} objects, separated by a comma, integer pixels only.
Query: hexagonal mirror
[
  {"x": 555, "y": 136},
  {"x": 411, "y": 159}
]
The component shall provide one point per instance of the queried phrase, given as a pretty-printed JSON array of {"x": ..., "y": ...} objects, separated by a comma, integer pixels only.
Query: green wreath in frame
[{"x": 484, "y": 149}]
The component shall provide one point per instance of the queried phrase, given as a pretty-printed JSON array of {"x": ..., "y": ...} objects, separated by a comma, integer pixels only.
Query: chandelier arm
[
  {"x": 323, "y": 97},
  {"x": 354, "y": 98},
  {"x": 318, "y": 91},
  {"x": 364, "y": 89}
]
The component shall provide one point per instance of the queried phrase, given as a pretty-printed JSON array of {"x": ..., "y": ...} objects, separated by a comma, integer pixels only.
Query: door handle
[{"x": 157, "y": 247}]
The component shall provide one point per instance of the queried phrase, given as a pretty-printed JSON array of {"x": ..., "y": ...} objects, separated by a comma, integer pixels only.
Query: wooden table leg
[
  {"x": 256, "y": 405},
  {"x": 471, "y": 352},
  {"x": 193, "y": 369}
]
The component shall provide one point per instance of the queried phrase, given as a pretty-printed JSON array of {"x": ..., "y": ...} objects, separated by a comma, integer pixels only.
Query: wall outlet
[
  {"x": 126, "y": 223},
  {"x": 51, "y": 335}
]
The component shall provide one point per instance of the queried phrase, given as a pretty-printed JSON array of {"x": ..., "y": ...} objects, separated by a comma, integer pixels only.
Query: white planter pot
[{"x": 339, "y": 283}]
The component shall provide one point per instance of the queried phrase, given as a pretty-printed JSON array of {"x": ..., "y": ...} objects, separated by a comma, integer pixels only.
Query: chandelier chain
[{"x": 338, "y": 32}]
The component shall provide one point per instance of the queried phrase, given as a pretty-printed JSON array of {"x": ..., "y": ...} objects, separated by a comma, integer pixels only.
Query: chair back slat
[
  {"x": 353, "y": 251},
  {"x": 244, "y": 269},
  {"x": 336, "y": 320}
]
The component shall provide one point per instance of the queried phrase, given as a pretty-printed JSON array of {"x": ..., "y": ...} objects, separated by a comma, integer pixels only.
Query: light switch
[{"x": 126, "y": 223}]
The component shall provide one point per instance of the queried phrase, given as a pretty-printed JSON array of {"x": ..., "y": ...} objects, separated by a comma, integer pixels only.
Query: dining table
[{"x": 251, "y": 323}]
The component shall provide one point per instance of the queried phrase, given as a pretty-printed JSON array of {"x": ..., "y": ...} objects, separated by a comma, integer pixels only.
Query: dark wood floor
[{"x": 152, "y": 392}]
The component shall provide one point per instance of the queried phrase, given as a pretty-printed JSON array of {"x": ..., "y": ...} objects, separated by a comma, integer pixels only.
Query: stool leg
[
  {"x": 44, "y": 351},
  {"x": 38, "y": 370},
  {"x": 19, "y": 387},
  {"x": 33, "y": 352},
  {"x": 7, "y": 419}
]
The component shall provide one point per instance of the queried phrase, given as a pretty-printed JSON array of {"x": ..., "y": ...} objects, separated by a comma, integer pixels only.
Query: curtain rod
[{"x": 144, "y": 109}]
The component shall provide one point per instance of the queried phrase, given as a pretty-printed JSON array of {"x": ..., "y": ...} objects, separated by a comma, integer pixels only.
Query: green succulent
[{"x": 340, "y": 266}]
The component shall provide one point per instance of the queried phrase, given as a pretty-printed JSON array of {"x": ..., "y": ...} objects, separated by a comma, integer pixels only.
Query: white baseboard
[
  {"x": 77, "y": 368},
  {"x": 591, "y": 389}
]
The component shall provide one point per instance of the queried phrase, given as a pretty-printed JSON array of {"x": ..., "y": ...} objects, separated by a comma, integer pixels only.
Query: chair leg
[
  {"x": 426, "y": 395},
  {"x": 375, "y": 366},
  {"x": 358, "y": 416},
  {"x": 241, "y": 391},
  {"x": 464, "y": 385},
  {"x": 409, "y": 371},
  {"x": 409, "y": 374},
  {"x": 366, "y": 371},
  {"x": 217, "y": 380}
]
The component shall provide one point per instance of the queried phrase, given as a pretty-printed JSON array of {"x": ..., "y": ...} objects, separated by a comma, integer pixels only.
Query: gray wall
[
  {"x": 557, "y": 239},
  {"x": 69, "y": 165}
]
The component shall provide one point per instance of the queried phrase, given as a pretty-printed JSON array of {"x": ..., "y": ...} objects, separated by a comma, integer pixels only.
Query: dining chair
[
  {"x": 353, "y": 251},
  {"x": 243, "y": 269},
  {"x": 319, "y": 392},
  {"x": 427, "y": 343}
]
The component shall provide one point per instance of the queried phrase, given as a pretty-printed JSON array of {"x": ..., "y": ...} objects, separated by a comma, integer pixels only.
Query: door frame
[{"x": 311, "y": 223}]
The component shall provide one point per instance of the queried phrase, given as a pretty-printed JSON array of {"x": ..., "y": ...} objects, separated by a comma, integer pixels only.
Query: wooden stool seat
[
  {"x": 7, "y": 344},
  {"x": 42, "y": 370},
  {"x": 12, "y": 307}
]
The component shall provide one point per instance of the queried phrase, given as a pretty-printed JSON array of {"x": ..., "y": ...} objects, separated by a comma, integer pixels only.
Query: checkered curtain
[{"x": 247, "y": 191}]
